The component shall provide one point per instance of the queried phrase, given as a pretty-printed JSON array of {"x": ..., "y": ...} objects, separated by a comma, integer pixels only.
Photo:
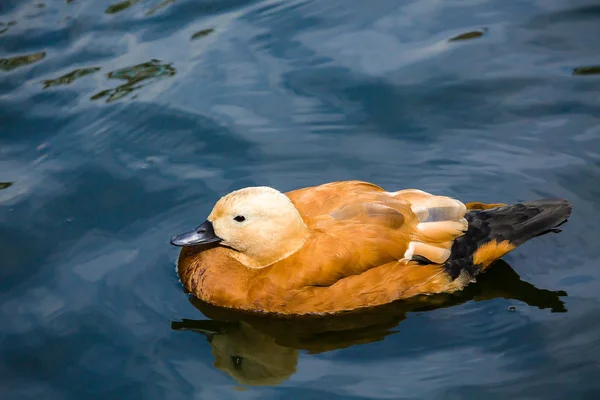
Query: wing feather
[{"x": 441, "y": 221}]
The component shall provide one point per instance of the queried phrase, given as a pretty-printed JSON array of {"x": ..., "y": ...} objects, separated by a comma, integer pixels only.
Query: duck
[{"x": 349, "y": 245}]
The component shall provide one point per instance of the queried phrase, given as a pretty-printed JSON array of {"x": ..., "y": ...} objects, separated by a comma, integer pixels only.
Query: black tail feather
[{"x": 516, "y": 223}]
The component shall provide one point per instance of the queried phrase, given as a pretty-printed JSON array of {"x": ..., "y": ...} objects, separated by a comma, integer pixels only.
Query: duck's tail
[{"x": 494, "y": 232}]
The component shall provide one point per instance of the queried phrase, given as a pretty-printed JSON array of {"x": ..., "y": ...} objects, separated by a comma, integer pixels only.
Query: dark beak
[{"x": 203, "y": 234}]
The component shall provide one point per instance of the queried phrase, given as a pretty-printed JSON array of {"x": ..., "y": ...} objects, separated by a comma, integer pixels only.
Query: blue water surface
[{"x": 121, "y": 123}]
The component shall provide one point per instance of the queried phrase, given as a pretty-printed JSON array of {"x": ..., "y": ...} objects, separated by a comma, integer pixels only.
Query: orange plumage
[{"x": 348, "y": 245}]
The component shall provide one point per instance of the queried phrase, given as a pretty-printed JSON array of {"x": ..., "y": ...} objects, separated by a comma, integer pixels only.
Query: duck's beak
[{"x": 203, "y": 234}]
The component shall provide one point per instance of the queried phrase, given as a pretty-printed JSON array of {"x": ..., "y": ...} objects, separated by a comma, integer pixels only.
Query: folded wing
[{"x": 441, "y": 220}]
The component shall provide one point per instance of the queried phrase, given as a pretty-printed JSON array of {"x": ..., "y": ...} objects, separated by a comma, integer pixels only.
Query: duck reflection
[
  {"x": 243, "y": 351},
  {"x": 263, "y": 350}
]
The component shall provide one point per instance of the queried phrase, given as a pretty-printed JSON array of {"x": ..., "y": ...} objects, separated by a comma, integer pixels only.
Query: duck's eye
[{"x": 239, "y": 218}]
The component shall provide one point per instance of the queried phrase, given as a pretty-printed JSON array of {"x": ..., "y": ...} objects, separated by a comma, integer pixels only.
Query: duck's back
[
  {"x": 324, "y": 199},
  {"x": 421, "y": 224}
]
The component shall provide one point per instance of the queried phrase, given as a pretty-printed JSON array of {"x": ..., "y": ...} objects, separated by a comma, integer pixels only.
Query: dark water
[{"x": 122, "y": 123}]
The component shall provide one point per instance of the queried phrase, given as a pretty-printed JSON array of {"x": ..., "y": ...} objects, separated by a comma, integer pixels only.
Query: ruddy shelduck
[{"x": 347, "y": 245}]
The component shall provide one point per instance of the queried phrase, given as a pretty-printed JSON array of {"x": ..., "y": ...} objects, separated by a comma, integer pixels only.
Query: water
[{"x": 122, "y": 123}]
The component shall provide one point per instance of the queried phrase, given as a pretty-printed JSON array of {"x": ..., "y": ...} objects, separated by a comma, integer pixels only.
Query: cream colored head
[{"x": 260, "y": 223}]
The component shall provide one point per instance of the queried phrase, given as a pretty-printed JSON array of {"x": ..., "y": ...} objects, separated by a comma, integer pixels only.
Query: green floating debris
[
  {"x": 469, "y": 35},
  {"x": 159, "y": 6},
  {"x": 591, "y": 70},
  {"x": 118, "y": 7},
  {"x": 135, "y": 76},
  {"x": 4, "y": 185},
  {"x": 6, "y": 26},
  {"x": 8, "y": 64},
  {"x": 202, "y": 33},
  {"x": 70, "y": 77}
]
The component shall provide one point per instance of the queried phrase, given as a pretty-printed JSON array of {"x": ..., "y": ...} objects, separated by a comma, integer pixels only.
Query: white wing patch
[
  {"x": 441, "y": 221},
  {"x": 410, "y": 251}
]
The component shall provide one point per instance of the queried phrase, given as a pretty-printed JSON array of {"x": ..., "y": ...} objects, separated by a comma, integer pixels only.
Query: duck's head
[{"x": 260, "y": 224}]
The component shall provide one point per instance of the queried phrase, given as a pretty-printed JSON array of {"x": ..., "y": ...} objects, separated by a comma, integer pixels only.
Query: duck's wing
[
  {"x": 440, "y": 221},
  {"x": 361, "y": 235}
]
